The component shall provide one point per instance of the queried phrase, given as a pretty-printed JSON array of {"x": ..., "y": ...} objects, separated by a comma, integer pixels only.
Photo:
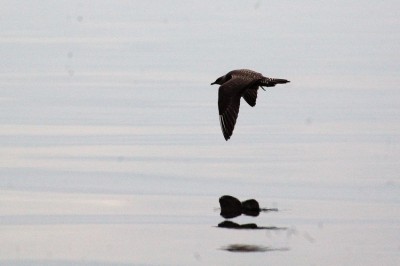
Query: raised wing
[{"x": 250, "y": 95}]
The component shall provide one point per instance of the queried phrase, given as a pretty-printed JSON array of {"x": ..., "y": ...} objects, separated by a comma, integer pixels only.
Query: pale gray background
[{"x": 111, "y": 151}]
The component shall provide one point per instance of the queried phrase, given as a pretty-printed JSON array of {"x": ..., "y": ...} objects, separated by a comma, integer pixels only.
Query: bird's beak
[{"x": 213, "y": 83}]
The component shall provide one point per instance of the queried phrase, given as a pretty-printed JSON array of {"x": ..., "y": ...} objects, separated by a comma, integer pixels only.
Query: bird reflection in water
[
  {"x": 251, "y": 248},
  {"x": 231, "y": 207},
  {"x": 233, "y": 225}
]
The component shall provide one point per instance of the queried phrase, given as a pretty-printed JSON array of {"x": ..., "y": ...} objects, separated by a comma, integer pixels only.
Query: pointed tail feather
[{"x": 270, "y": 82}]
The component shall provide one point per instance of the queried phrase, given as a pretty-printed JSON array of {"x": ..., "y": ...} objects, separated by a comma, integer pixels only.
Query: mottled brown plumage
[{"x": 234, "y": 85}]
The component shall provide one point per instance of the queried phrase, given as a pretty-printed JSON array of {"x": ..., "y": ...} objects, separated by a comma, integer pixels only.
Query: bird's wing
[
  {"x": 250, "y": 95},
  {"x": 229, "y": 102}
]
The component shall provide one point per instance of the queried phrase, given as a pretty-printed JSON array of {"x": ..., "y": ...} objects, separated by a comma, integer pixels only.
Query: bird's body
[{"x": 234, "y": 85}]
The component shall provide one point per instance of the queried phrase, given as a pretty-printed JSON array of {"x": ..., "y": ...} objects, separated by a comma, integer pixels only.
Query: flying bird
[{"x": 234, "y": 85}]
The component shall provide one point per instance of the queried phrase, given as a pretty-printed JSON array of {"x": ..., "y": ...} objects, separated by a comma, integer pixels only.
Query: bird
[{"x": 233, "y": 86}]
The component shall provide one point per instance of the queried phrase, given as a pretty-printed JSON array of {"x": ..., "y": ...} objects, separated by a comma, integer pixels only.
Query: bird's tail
[{"x": 270, "y": 82}]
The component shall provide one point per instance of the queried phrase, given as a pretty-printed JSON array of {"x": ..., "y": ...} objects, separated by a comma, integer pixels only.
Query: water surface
[{"x": 111, "y": 151}]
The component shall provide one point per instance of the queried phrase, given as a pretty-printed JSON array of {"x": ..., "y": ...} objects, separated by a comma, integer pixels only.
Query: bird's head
[{"x": 222, "y": 80}]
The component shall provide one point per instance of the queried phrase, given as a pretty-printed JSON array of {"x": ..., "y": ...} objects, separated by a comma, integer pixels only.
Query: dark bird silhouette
[{"x": 234, "y": 85}]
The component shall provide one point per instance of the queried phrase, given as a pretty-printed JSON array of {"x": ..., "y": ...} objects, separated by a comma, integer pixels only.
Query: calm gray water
[{"x": 111, "y": 151}]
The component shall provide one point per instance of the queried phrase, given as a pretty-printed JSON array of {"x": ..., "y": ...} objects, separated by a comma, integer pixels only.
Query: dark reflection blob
[
  {"x": 251, "y": 207},
  {"x": 232, "y": 225},
  {"x": 251, "y": 248},
  {"x": 230, "y": 206}
]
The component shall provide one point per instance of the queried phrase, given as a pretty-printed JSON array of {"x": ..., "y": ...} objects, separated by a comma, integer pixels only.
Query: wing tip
[
  {"x": 225, "y": 132},
  {"x": 227, "y": 136}
]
